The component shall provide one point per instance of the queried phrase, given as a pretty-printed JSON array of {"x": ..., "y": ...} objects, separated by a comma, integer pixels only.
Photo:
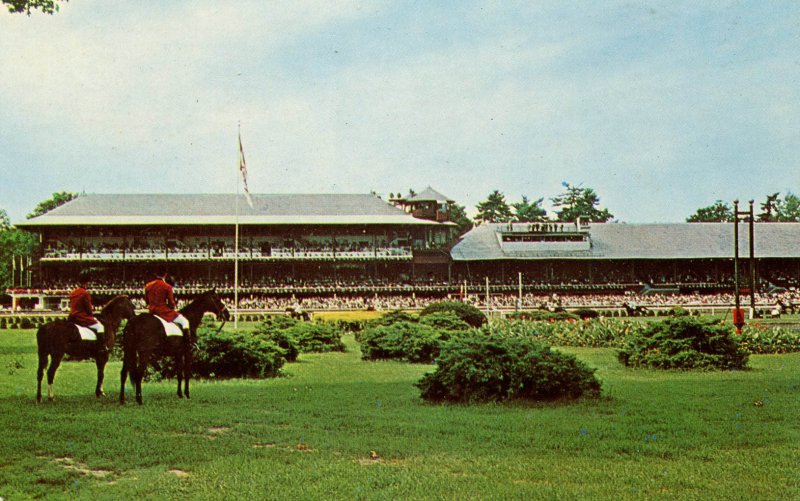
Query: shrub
[
  {"x": 678, "y": 311},
  {"x": 393, "y": 316},
  {"x": 598, "y": 333},
  {"x": 317, "y": 337},
  {"x": 274, "y": 332},
  {"x": 760, "y": 338},
  {"x": 408, "y": 341},
  {"x": 227, "y": 354},
  {"x": 586, "y": 313},
  {"x": 447, "y": 321},
  {"x": 25, "y": 323},
  {"x": 480, "y": 366},
  {"x": 466, "y": 312},
  {"x": 237, "y": 354},
  {"x": 683, "y": 343},
  {"x": 350, "y": 325},
  {"x": 280, "y": 321}
]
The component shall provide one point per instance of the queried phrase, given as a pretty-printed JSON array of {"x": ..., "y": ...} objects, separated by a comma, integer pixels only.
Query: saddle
[
  {"x": 171, "y": 328},
  {"x": 86, "y": 333}
]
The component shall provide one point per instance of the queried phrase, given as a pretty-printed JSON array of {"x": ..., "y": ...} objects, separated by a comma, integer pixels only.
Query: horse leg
[
  {"x": 138, "y": 374},
  {"x": 43, "y": 358},
  {"x": 123, "y": 377},
  {"x": 187, "y": 367},
  {"x": 100, "y": 361},
  {"x": 55, "y": 361},
  {"x": 179, "y": 371}
]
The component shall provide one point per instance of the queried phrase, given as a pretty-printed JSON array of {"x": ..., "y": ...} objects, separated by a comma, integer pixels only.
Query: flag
[{"x": 243, "y": 170}]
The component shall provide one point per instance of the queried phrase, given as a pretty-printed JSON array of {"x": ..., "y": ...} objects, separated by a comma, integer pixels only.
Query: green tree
[
  {"x": 26, "y": 6},
  {"x": 787, "y": 210},
  {"x": 718, "y": 212},
  {"x": 458, "y": 215},
  {"x": 767, "y": 214},
  {"x": 529, "y": 212},
  {"x": 57, "y": 200},
  {"x": 581, "y": 202},
  {"x": 494, "y": 209},
  {"x": 5, "y": 222},
  {"x": 13, "y": 243}
]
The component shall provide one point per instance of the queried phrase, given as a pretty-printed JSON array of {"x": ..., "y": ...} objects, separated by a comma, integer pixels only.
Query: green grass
[{"x": 674, "y": 435}]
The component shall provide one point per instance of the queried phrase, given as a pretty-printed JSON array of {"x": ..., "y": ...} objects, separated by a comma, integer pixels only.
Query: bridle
[{"x": 220, "y": 313}]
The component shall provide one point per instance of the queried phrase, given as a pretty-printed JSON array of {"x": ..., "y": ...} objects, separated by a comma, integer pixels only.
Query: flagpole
[{"x": 236, "y": 249}]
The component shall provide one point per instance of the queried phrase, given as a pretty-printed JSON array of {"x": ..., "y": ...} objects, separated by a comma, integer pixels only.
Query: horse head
[
  {"x": 216, "y": 306},
  {"x": 119, "y": 308}
]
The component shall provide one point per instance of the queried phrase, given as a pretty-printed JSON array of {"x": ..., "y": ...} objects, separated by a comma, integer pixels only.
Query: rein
[{"x": 221, "y": 326}]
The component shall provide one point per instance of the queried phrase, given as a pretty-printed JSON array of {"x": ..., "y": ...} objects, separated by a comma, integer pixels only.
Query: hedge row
[{"x": 25, "y": 321}]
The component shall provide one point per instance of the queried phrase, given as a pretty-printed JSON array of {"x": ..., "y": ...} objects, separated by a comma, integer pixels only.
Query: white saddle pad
[
  {"x": 172, "y": 328},
  {"x": 86, "y": 333}
]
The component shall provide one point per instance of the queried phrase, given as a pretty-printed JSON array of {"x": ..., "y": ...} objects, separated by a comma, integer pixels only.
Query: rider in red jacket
[
  {"x": 161, "y": 301},
  {"x": 81, "y": 311}
]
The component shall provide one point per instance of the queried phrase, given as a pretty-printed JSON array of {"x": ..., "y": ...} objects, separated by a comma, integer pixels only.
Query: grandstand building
[
  {"x": 282, "y": 240},
  {"x": 359, "y": 246},
  {"x": 679, "y": 257}
]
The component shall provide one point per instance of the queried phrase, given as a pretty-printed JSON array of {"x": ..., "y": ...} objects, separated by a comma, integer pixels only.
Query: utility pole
[{"x": 738, "y": 315}]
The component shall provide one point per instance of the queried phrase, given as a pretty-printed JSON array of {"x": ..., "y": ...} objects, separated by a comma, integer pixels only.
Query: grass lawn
[{"x": 337, "y": 427}]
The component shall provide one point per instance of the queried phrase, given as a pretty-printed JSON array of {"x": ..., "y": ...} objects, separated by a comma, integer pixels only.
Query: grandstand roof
[
  {"x": 180, "y": 209},
  {"x": 641, "y": 241}
]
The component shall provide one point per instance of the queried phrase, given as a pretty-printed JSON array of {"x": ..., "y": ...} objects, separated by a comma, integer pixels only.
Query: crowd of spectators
[{"x": 289, "y": 249}]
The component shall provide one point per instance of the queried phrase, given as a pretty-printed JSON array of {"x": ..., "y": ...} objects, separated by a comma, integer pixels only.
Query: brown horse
[
  {"x": 144, "y": 338},
  {"x": 60, "y": 337}
]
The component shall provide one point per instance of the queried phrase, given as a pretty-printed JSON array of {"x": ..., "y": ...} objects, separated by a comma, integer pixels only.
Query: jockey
[
  {"x": 80, "y": 311},
  {"x": 161, "y": 302}
]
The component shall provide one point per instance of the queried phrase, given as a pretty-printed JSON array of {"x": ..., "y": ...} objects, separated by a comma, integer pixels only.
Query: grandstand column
[{"x": 487, "y": 297}]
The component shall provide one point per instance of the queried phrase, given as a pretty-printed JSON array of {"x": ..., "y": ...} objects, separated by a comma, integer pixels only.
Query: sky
[{"x": 660, "y": 107}]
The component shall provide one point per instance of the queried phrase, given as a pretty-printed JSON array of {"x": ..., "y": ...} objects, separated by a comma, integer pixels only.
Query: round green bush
[
  {"x": 446, "y": 320},
  {"x": 678, "y": 311},
  {"x": 480, "y": 366},
  {"x": 466, "y": 312},
  {"x": 316, "y": 337},
  {"x": 274, "y": 332},
  {"x": 227, "y": 354},
  {"x": 237, "y": 354},
  {"x": 26, "y": 323},
  {"x": 393, "y": 316},
  {"x": 412, "y": 342},
  {"x": 683, "y": 343}
]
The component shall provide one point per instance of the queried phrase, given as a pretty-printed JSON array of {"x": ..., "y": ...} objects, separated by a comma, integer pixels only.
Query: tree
[
  {"x": 458, "y": 215},
  {"x": 581, "y": 202},
  {"x": 788, "y": 209},
  {"x": 718, "y": 212},
  {"x": 529, "y": 212},
  {"x": 5, "y": 222},
  {"x": 57, "y": 200},
  {"x": 13, "y": 243},
  {"x": 768, "y": 208},
  {"x": 494, "y": 209},
  {"x": 26, "y": 6}
]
